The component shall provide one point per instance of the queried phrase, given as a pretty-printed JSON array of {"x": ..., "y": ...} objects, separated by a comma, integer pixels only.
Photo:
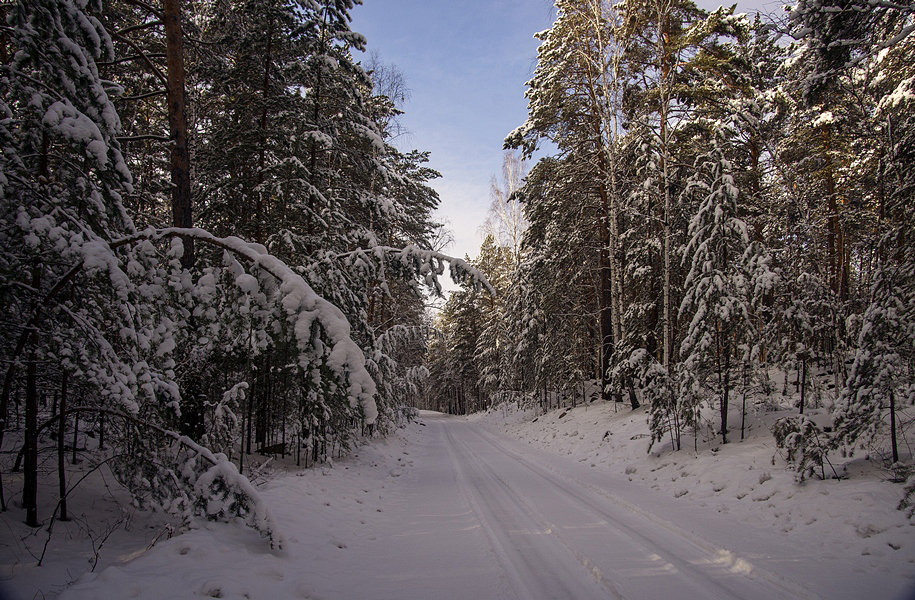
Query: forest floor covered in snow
[
  {"x": 853, "y": 518},
  {"x": 111, "y": 550},
  {"x": 453, "y": 507}
]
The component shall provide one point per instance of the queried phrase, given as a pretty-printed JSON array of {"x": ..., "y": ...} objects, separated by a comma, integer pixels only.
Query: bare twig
[
  {"x": 143, "y": 96},
  {"x": 147, "y": 7},
  {"x": 124, "y": 59},
  {"x": 140, "y": 138},
  {"x": 57, "y": 507},
  {"x": 168, "y": 530},
  {"x": 139, "y": 27},
  {"x": 145, "y": 58},
  {"x": 98, "y": 549}
]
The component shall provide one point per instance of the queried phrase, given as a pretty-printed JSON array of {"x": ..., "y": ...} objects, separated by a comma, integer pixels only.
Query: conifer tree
[
  {"x": 878, "y": 47},
  {"x": 717, "y": 295},
  {"x": 573, "y": 102}
]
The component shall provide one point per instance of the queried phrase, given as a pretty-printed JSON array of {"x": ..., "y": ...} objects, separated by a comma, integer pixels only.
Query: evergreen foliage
[
  {"x": 298, "y": 327},
  {"x": 720, "y": 201},
  {"x": 761, "y": 184}
]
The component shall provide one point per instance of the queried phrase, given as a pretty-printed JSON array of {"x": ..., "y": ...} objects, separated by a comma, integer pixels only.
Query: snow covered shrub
[
  {"x": 222, "y": 493},
  {"x": 222, "y": 425},
  {"x": 806, "y": 325},
  {"x": 881, "y": 384},
  {"x": 805, "y": 445},
  {"x": 172, "y": 473},
  {"x": 409, "y": 414},
  {"x": 625, "y": 372},
  {"x": 668, "y": 412}
]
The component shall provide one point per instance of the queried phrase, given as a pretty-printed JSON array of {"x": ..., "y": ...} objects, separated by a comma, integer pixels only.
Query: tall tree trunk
[
  {"x": 605, "y": 303},
  {"x": 61, "y": 431},
  {"x": 803, "y": 379},
  {"x": 30, "y": 476},
  {"x": 725, "y": 391},
  {"x": 664, "y": 60},
  {"x": 743, "y": 404},
  {"x": 832, "y": 219},
  {"x": 316, "y": 113},
  {"x": 893, "y": 440},
  {"x": 250, "y": 417},
  {"x": 177, "y": 124},
  {"x": 609, "y": 57},
  {"x": 262, "y": 159},
  {"x": 73, "y": 459},
  {"x": 261, "y": 413},
  {"x": 283, "y": 421},
  {"x": 602, "y": 99}
]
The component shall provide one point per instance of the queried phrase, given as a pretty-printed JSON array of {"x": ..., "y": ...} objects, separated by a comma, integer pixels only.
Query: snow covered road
[
  {"x": 450, "y": 510},
  {"x": 556, "y": 537}
]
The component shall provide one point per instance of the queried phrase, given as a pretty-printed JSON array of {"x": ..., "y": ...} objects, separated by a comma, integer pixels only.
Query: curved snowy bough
[
  {"x": 198, "y": 480},
  {"x": 414, "y": 262},
  {"x": 303, "y": 306}
]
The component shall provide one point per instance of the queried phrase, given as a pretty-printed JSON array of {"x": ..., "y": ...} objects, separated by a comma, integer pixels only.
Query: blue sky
[{"x": 466, "y": 63}]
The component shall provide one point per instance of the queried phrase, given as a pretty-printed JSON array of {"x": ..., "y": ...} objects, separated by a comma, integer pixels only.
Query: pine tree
[
  {"x": 558, "y": 298},
  {"x": 674, "y": 59},
  {"x": 62, "y": 176},
  {"x": 717, "y": 294},
  {"x": 880, "y": 382},
  {"x": 493, "y": 343},
  {"x": 573, "y": 101}
]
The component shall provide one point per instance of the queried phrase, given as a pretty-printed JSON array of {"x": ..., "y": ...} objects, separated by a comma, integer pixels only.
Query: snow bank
[{"x": 854, "y": 517}]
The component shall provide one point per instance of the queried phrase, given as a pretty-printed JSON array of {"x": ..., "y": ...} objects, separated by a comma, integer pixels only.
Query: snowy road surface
[{"x": 452, "y": 510}]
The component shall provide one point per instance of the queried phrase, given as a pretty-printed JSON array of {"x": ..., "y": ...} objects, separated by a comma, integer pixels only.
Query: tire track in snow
[
  {"x": 543, "y": 524},
  {"x": 713, "y": 555},
  {"x": 515, "y": 578},
  {"x": 497, "y": 515}
]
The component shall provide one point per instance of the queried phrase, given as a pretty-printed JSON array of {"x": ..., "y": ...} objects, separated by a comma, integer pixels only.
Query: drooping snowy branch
[
  {"x": 429, "y": 265},
  {"x": 303, "y": 307}
]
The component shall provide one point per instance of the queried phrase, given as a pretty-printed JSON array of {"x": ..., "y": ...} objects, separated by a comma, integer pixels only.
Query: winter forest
[
  {"x": 729, "y": 198},
  {"x": 219, "y": 267}
]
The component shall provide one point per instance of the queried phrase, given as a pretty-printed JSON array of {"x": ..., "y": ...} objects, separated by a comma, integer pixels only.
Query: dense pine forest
[
  {"x": 209, "y": 245},
  {"x": 212, "y": 248},
  {"x": 725, "y": 200}
]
